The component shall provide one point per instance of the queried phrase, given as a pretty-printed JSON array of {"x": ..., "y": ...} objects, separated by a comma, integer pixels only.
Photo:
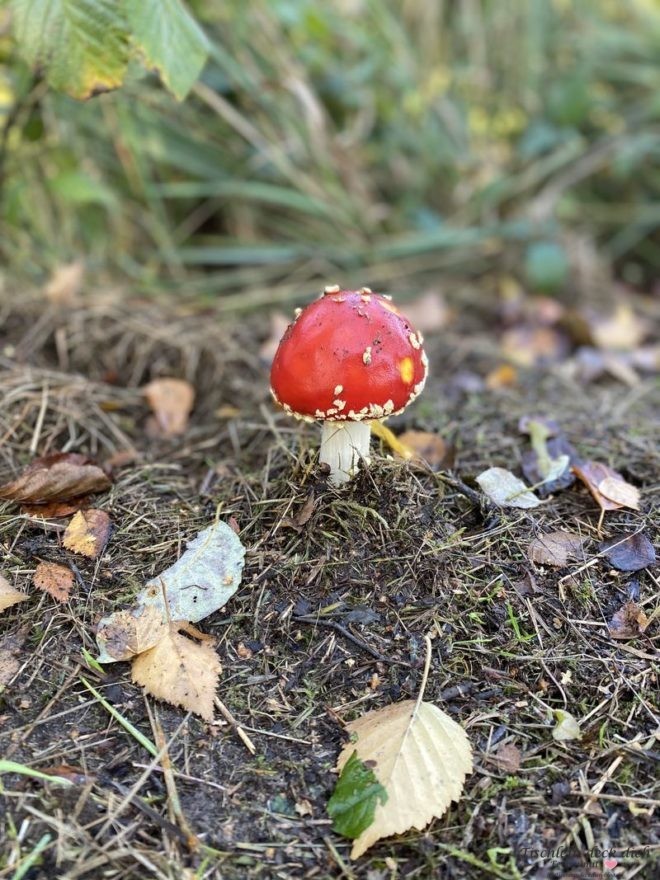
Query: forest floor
[{"x": 331, "y": 615}]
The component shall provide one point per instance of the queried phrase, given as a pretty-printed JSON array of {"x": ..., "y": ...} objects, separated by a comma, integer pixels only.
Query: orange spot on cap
[{"x": 406, "y": 370}]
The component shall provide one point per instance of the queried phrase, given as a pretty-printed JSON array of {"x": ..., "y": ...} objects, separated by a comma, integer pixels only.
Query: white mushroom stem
[{"x": 343, "y": 444}]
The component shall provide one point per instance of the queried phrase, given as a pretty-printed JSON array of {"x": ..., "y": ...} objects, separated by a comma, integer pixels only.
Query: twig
[
  {"x": 338, "y": 628},
  {"x": 242, "y": 735}
]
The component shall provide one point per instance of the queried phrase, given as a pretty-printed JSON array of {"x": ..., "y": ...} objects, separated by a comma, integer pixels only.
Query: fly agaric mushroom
[{"x": 348, "y": 358}]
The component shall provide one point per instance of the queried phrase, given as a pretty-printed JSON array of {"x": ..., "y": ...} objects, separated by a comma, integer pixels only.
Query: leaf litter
[
  {"x": 60, "y": 476},
  {"x": 629, "y": 552},
  {"x": 172, "y": 666},
  {"x": 55, "y": 579},
  {"x": 88, "y": 533}
]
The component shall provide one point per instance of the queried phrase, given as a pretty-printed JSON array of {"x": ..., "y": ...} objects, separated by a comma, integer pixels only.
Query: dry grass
[{"x": 329, "y": 620}]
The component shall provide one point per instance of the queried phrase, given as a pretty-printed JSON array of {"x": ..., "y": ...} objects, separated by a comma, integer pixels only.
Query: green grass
[{"x": 326, "y": 138}]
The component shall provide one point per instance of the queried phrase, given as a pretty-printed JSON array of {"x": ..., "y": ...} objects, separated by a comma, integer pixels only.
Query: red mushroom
[{"x": 348, "y": 358}]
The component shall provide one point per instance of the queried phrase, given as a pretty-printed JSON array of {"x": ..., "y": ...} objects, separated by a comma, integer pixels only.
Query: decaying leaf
[
  {"x": 566, "y": 728},
  {"x": 124, "y": 634},
  {"x": 88, "y": 533},
  {"x": 628, "y": 622},
  {"x": 181, "y": 672},
  {"x": 418, "y": 754},
  {"x": 505, "y": 489},
  {"x": 65, "y": 283},
  {"x": 203, "y": 579},
  {"x": 629, "y": 552},
  {"x": 54, "y": 579},
  {"x": 547, "y": 464},
  {"x": 171, "y": 401},
  {"x": 58, "y": 477},
  {"x": 550, "y": 468},
  {"x": 555, "y": 548},
  {"x": 607, "y": 486},
  {"x": 508, "y": 758},
  {"x": 426, "y": 446}
]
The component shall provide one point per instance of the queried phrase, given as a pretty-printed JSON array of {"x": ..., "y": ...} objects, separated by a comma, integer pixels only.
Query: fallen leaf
[
  {"x": 551, "y": 469},
  {"x": 616, "y": 489},
  {"x": 528, "y": 346},
  {"x": 505, "y": 489},
  {"x": 9, "y": 595},
  {"x": 121, "y": 458},
  {"x": 427, "y": 447},
  {"x": 429, "y": 312},
  {"x": 58, "y": 477},
  {"x": 555, "y": 548},
  {"x": 598, "y": 477},
  {"x": 171, "y": 401},
  {"x": 504, "y": 376},
  {"x": 547, "y": 466},
  {"x": 55, "y": 509},
  {"x": 416, "y": 753},
  {"x": 628, "y": 622},
  {"x": 302, "y": 516},
  {"x": 619, "y": 330},
  {"x": 203, "y": 579},
  {"x": 181, "y": 672},
  {"x": 566, "y": 728},
  {"x": 54, "y": 579},
  {"x": 508, "y": 757},
  {"x": 122, "y": 635},
  {"x": 278, "y": 325},
  {"x": 65, "y": 284},
  {"x": 629, "y": 552},
  {"x": 75, "y": 775},
  {"x": 88, "y": 533}
]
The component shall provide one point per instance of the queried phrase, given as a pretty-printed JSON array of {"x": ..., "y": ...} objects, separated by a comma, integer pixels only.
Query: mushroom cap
[{"x": 349, "y": 355}]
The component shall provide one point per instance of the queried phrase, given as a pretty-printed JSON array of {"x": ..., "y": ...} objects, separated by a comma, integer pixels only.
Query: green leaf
[
  {"x": 171, "y": 41},
  {"x": 82, "y": 45},
  {"x": 353, "y": 803}
]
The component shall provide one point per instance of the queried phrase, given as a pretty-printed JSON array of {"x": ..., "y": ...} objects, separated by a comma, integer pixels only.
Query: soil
[{"x": 329, "y": 621}]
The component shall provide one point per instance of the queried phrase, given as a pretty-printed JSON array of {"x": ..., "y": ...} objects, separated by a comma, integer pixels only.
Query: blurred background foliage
[{"x": 377, "y": 140}]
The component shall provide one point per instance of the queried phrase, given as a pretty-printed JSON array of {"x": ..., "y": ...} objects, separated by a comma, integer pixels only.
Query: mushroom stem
[{"x": 343, "y": 444}]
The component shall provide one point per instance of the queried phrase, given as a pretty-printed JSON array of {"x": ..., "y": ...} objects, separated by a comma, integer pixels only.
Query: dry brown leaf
[
  {"x": 278, "y": 325},
  {"x": 618, "y": 490},
  {"x": 429, "y": 312},
  {"x": 124, "y": 634},
  {"x": 55, "y": 509},
  {"x": 419, "y": 755},
  {"x": 88, "y": 533},
  {"x": 54, "y": 579},
  {"x": 58, "y": 477},
  {"x": 508, "y": 758},
  {"x": 555, "y": 548},
  {"x": 171, "y": 401},
  {"x": 181, "y": 672},
  {"x": 597, "y": 476},
  {"x": 9, "y": 595},
  {"x": 426, "y": 446},
  {"x": 65, "y": 284},
  {"x": 628, "y": 622}
]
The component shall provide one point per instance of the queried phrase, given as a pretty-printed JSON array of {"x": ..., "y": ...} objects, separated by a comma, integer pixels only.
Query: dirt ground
[{"x": 331, "y": 615}]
